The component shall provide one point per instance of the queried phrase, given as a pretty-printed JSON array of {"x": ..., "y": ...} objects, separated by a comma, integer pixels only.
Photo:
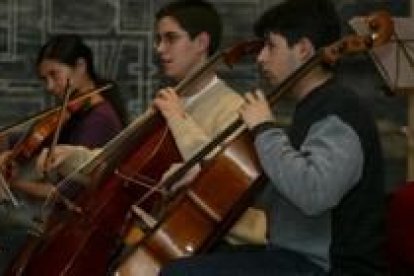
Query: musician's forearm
[{"x": 34, "y": 189}]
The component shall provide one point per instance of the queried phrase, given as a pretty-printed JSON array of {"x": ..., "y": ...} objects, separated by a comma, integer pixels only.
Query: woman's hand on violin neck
[
  {"x": 255, "y": 110},
  {"x": 169, "y": 103}
]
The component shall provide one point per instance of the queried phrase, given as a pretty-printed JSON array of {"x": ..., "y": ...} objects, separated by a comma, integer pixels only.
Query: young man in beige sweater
[{"x": 187, "y": 33}]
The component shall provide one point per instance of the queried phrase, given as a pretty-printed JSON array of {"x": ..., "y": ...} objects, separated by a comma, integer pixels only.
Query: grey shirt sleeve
[{"x": 315, "y": 177}]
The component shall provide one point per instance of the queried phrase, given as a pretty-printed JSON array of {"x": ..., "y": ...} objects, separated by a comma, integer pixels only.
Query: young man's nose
[{"x": 261, "y": 56}]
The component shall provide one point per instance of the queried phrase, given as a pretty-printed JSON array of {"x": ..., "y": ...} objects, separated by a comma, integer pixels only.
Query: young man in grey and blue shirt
[{"x": 326, "y": 170}]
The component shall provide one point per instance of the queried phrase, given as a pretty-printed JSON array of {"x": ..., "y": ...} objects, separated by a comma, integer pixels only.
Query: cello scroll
[{"x": 381, "y": 28}]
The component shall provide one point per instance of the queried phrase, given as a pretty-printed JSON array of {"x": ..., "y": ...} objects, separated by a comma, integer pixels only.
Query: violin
[{"x": 46, "y": 125}]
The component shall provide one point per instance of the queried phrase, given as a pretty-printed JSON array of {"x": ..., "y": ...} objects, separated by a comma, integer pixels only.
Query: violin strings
[{"x": 56, "y": 135}]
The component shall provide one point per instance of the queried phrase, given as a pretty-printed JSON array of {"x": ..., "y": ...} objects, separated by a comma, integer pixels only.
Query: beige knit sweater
[{"x": 207, "y": 116}]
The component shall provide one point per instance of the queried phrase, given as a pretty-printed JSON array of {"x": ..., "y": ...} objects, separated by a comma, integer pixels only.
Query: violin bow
[{"x": 62, "y": 115}]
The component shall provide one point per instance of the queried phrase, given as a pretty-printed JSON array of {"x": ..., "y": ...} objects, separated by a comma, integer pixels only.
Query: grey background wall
[{"x": 120, "y": 32}]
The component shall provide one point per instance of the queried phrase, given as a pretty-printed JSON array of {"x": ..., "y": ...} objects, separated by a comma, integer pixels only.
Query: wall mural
[{"x": 120, "y": 32}]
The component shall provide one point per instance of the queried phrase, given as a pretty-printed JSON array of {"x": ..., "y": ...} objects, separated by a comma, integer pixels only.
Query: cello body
[
  {"x": 202, "y": 213},
  {"x": 83, "y": 242}
]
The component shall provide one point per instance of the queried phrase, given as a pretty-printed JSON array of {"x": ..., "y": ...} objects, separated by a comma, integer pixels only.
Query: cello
[
  {"x": 202, "y": 212},
  {"x": 89, "y": 230}
]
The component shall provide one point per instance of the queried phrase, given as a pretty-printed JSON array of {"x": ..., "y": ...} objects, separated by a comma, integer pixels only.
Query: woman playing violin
[
  {"x": 65, "y": 60},
  {"x": 99, "y": 118}
]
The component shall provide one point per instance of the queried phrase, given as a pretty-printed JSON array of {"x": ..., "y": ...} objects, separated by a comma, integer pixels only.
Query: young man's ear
[
  {"x": 203, "y": 40},
  {"x": 81, "y": 65},
  {"x": 305, "y": 48}
]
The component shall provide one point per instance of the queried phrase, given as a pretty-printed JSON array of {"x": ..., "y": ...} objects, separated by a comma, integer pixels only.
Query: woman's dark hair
[
  {"x": 316, "y": 20},
  {"x": 195, "y": 16},
  {"x": 68, "y": 49}
]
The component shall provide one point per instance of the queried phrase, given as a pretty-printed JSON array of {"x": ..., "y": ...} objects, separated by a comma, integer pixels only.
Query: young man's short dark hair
[
  {"x": 195, "y": 16},
  {"x": 316, "y": 20}
]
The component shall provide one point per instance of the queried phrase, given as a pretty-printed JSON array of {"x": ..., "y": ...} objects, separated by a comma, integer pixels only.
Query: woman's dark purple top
[{"x": 92, "y": 127}]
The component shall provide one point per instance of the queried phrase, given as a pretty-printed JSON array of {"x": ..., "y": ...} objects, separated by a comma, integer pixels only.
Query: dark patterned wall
[{"x": 120, "y": 34}]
